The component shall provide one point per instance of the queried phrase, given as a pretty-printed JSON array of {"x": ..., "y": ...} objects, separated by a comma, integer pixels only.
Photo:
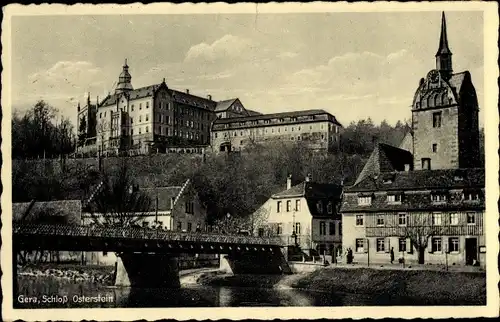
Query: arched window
[
  {"x": 436, "y": 100},
  {"x": 430, "y": 101},
  {"x": 424, "y": 103},
  {"x": 444, "y": 97}
]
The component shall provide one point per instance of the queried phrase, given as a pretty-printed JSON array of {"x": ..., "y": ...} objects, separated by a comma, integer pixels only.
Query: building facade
[
  {"x": 150, "y": 119},
  {"x": 443, "y": 207},
  {"x": 304, "y": 215},
  {"x": 424, "y": 201},
  {"x": 316, "y": 129}
]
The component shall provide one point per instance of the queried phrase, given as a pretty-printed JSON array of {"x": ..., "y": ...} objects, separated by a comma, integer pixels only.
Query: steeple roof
[{"x": 443, "y": 40}]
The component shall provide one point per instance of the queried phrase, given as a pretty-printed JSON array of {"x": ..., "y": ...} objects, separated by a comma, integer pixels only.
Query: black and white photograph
[{"x": 251, "y": 156}]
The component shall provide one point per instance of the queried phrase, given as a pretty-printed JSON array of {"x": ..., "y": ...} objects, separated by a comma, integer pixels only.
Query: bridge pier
[
  {"x": 147, "y": 270},
  {"x": 258, "y": 262}
]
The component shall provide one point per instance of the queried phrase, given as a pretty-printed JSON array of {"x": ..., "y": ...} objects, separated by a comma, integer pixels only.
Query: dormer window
[
  {"x": 364, "y": 200},
  {"x": 394, "y": 198},
  {"x": 438, "y": 197},
  {"x": 319, "y": 207},
  {"x": 329, "y": 208},
  {"x": 471, "y": 196}
]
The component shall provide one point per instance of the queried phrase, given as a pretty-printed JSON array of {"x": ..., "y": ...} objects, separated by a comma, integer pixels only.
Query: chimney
[
  {"x": 97, "y": 101},
  {"x": 407, "y": 167},
  {"x": 209, "y": 97},
  {"x": 289, "y": 182},
  {"x": 78, "y": 106},
  {"x": 187, "y": 90}
]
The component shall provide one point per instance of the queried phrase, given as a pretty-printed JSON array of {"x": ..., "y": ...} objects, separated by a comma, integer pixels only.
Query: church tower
[
  {"x": 124, "y": 81},
  {"x": 445, "y": 117}
]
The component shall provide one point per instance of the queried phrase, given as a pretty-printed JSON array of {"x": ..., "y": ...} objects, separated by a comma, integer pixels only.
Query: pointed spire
[
  {"x": 443, "y": 40},
  {"x": 125, "y": 63}
]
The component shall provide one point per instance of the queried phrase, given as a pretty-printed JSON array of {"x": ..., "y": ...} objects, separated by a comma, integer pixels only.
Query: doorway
[{"x": 470, "y": 251}]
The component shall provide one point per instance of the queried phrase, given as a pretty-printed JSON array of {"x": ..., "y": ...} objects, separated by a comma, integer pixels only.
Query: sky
[{"x": 353, "y": 65}]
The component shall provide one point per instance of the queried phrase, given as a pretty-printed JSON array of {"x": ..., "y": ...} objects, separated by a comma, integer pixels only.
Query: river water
[{"x": 49, "y": 292}]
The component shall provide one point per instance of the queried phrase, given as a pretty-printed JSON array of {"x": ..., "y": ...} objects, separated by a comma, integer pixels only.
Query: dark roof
[
  {"x": 164, "y": 194},
  {"x": 253, "y": 113},
  {"x": 385, "y": 158},
  {"x": 178, "y": 96},
  {"x": 60, "y": 211},
  {"x": 422, "y": 180},
  {"x": 224, "y": 105},
  {"x": 311, "y": 190},
  {"x": 457, "y": 80},
  {"x": 443, "y": 39},
  {"x": 274, "y": 115}
]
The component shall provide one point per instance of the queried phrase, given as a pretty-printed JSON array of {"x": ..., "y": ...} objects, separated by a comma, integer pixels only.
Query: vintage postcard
[{"x": 285, "y": 160}]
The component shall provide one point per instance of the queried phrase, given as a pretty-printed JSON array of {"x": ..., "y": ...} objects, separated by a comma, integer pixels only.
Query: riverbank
[
  {"x": 102, "y": 275},
  {"x": 389, "y": 287}
]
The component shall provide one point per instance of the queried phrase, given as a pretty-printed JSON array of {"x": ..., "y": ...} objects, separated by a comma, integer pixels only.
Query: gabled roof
[
  {"x": 422, "y": 180},
  {"x": 385, "y": 158},
  {"x": 164, "y": 196},
  {"x": 311, "y": 190},
  {"x": 294, "y": 191},
  {"x": 224, "y": 105},
  {"x": 60, "y": 211},
  {"x": 193, "y": 100},
  {"x": 253, "y": 113}
]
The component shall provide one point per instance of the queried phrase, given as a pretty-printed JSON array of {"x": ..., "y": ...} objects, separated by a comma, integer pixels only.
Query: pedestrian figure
[{"x": 392, "y": 254}]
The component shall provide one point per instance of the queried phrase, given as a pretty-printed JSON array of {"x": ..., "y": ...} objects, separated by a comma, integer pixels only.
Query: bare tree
[
  {"x": 420, "y": 229},
  {"x": 103, "y": 128},
  {"x": 119, "y": 202}
]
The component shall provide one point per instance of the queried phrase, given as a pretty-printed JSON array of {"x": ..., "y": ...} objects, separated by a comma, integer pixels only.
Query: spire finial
[
  {"x": 443, "y": 39},
  {"x": 125, "y": 62}
]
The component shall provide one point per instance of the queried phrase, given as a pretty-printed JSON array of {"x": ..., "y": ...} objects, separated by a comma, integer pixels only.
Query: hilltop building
[
  {"x": 425, "y": 199},
  {"x": 150, "y": 118},
  {"x": 316, "y": 129}
]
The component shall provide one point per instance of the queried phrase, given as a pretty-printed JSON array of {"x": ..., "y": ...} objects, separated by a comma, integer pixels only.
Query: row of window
[
  {"x": 263, "y": 131},
  {"x": 437, "y": 245},
  {"x": 189, "y": 227},
  {"x": 435, "y": 197},
  {"x": 319, "y": 206},
  {"x": 331, "y": 226},
  {"x": 437, "y": 219}
]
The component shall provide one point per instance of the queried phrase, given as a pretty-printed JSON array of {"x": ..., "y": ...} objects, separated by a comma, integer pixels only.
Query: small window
[
  {"x": 402, "y": 219},
  {"x": 360, "y": 247},
  {"x": 132, "y": 107},
  {"x": 147, "y": 105},
  {"x": 297, "y": 228},
  {"x": 288, "y": 205},
  {"x": 436, "y": 197},
  {"x": 319, "y": 207},
  {"x": 332, "y": 228},
  {"x": 140, "y": 118},
  {"x": 380, "y": 220},
  {"x": 436, "y": 219},
  {"x": 471, "y": 196},
  {"x": 453, "y": 244},
  {"x": 402, "y": 245},
  {"x": 434, "y": 147},
  {"x": 329, "y": 208},
  {"x": 453, "y": 219},
  {"x": 436, "y": 119},
  {"x": 179, "y": 225},
  {"x": 359, "y": 220},
  {"x": 471, "y": 218},
  {"x": 279, "y": 229},
  {"x": 380, "y": 244},
  {"x": 365, "y": 201},
  {"x": 297, "y": 205},
  {"x": 426, "y": 163},
  {"x": 147, "y": 129},
  {"x": 394, "y": 198},
  {"x": 140, "y": 106},
  {"x": 278, "y": 206},
  {"x": 147, "y": 117},
  {"x": 322, "y": 228},
  {"x": 436, "y": 244}
]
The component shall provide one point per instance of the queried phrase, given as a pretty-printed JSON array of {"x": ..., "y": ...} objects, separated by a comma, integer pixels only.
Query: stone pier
[{"x": 147, "y": 270}]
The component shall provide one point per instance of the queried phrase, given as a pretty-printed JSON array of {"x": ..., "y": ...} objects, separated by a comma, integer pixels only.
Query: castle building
[
  {"x": 424, "y": 201},
  {"x": 316, "y": 129},
  {"x": 150, "y": 118}
]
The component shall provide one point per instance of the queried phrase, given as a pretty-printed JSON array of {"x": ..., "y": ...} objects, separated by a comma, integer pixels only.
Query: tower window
[
  {"x": 436, "y": 119},
  {"x": 434, "y": 147},
  {"x": 426, "y": 163}
]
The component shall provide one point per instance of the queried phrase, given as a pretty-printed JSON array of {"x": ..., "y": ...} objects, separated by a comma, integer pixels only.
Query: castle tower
[
  {"x": 124, "y": 81},
  {"x": 445, "y": 117}
]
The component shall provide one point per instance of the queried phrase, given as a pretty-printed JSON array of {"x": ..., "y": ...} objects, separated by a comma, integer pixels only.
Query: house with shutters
[
  {"x": 305, "y": 215},
  {"x": 424, "y": 200}
]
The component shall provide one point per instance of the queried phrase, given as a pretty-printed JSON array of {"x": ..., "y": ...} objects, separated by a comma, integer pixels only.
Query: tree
[
  {"x": 102, "y": 128},
  {"x": 420, "y": 229},
  {"x": 119, "y": 202}
]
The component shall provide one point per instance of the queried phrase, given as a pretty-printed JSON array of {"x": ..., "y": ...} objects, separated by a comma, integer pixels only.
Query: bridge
[{"x": 146, "y": 256}]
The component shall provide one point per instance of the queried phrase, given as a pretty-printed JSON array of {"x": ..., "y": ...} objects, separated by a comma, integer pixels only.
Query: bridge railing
[{"x": 138, "y": 233}]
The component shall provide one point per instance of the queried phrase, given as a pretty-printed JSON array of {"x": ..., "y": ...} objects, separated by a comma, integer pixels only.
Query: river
[{"x": 50, "y": 292}]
